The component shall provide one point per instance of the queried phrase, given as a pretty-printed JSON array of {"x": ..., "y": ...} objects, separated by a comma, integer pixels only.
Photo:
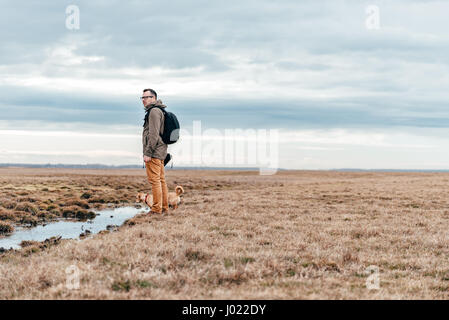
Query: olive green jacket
[{"x": 153, "y": 146}]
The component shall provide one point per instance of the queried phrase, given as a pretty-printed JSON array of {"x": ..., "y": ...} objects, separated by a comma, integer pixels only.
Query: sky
[{"x": 301, "y": 84}]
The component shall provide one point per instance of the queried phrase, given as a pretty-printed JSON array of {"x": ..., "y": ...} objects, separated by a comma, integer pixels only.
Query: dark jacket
[{"x": 153, "y": 146}]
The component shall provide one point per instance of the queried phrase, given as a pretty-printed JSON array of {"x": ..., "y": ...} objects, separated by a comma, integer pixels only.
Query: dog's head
[{"x": 140, "y": 197}]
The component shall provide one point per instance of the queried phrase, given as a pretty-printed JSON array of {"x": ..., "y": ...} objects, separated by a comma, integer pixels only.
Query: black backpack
[{"x": 171, "y": 126}]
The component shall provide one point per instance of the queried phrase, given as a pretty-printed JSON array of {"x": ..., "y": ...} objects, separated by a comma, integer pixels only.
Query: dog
[
  {"x": 145, "y": 198},
  {"x": 174, "y": 198}
]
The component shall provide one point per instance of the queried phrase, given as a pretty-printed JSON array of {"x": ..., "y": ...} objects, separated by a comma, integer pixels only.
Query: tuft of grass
[
  {"x": 75, "y": 212},
  {"x": 27, "y": 207},
  {"x": 195, "y": 255},
  {"x": 121, "y": 285},
  {"x": 5, "y": 227},
  {"x": 310, "y": 264},
  {"x": 348, "y": 257},
  {"x": 30, "y": 220},
  {"x": 441, "y": 288},
  {"x": 145, "y": 284},
  {"x": 96, "y": 200},
  {"x": 163, "y": 269},
  {"x": 54, "y": 213},
  {"x": 245, "y": 260},
  {"x": 86, "y": 195},
  {"x": 6, "y": 215},
  {"x": 237, "y": 277},
  {"x": 356, "y": 234},
  {"x": 51, "y": 207},
  {"x": 26, "y": 199},
  {"x": 228, "y": 263},
  {"x": 290, "y": 272},
  {"x": 8, "y": 204},
  {"x": 28, "y": 243},
  {"x": 78, "y": 203}
]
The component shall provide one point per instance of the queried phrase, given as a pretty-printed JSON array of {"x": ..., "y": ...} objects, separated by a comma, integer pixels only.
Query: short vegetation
[{"x": 237, "y": 235}]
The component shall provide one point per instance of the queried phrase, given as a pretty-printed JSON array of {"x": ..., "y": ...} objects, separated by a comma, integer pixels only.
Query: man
[{"x": 155, "y": 150}]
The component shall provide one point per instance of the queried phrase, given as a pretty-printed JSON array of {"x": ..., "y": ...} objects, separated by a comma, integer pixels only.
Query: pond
[{"x": 69, "y": 229}]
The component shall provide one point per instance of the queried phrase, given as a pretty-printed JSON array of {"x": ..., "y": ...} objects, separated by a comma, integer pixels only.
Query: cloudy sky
[{"x": 340, "y": 90}]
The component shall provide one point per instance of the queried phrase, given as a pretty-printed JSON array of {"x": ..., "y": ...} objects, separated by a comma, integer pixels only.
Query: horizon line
[{"x": 131, "y": 166}]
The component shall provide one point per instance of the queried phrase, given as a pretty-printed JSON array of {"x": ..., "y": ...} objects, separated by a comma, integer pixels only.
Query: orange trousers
[{"x": 156, "y": 177}]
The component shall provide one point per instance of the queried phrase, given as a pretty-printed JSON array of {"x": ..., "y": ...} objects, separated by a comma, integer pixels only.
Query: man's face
[{"x": 147, "y": 98}]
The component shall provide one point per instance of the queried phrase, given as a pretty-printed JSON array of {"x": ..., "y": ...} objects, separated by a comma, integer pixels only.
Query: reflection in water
[{"x": 69, "y": 229}]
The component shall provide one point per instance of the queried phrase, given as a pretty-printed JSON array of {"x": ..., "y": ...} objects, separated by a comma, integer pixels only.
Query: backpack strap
[
  {"x": 160, "y": 108},
  {"x": 147, "y": 113}
]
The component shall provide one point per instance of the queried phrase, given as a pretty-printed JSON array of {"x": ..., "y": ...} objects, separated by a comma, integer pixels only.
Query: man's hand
[{"x": 146, "y": 159}]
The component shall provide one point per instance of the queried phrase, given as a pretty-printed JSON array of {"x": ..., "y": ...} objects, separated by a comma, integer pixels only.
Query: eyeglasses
[{"x": 145, "y": 97}]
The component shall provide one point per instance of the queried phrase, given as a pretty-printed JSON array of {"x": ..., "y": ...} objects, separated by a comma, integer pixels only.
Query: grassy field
[{"x": 237, "y": 235}]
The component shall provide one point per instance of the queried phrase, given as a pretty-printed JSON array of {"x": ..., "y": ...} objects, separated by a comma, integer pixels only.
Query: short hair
[{"x": 151, "y": 90}]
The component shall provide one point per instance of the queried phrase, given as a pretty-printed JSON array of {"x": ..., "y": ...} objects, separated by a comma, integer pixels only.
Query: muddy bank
[{"x": 69, "y": 229}]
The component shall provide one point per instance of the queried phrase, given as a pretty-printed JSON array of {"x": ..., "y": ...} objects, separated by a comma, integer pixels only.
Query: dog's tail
[{"x": 179, "y": 190}]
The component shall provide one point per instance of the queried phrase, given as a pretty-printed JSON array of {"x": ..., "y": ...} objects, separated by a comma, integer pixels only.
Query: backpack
[{"x": 171, "y": 126}]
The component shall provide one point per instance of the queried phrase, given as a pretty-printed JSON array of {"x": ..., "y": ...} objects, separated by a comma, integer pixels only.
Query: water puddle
[{"x": 70, "y": 229}]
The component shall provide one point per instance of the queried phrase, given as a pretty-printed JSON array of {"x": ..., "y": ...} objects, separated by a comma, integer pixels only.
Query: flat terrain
[{"x": 237, "y": 235}]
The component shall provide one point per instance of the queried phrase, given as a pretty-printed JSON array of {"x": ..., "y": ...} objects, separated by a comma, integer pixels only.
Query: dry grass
[
  {"x": 6, "y": 227},
  {"x": 237, "y": 235}
]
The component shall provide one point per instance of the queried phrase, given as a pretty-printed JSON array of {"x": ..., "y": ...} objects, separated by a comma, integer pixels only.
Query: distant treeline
[
  {"x": 390, "y": 170},
  {"x": 104, "y": 166},
  {"x": 71, "y": 166}
]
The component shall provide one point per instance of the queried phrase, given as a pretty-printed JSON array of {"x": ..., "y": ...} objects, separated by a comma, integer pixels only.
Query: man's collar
[{"x": 157, "y": 103}]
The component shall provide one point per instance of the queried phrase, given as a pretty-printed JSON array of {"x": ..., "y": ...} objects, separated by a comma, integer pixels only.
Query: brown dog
[
  {"x": 145, "y": 198},
  {"x": 174, "y": 198}
]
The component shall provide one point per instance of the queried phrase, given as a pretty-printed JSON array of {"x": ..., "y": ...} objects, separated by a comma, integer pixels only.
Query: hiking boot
[{"x": 152, "y": 212}]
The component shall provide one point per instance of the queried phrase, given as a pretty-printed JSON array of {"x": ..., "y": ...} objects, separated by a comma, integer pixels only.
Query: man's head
[{"x": 148, "y": 96}]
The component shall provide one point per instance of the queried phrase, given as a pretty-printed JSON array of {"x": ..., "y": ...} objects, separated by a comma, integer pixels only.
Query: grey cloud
[
  {"x": 294, "y": 65},
  {"x": 185, "y": 34},
  {"x": 369, "y": 111}
]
